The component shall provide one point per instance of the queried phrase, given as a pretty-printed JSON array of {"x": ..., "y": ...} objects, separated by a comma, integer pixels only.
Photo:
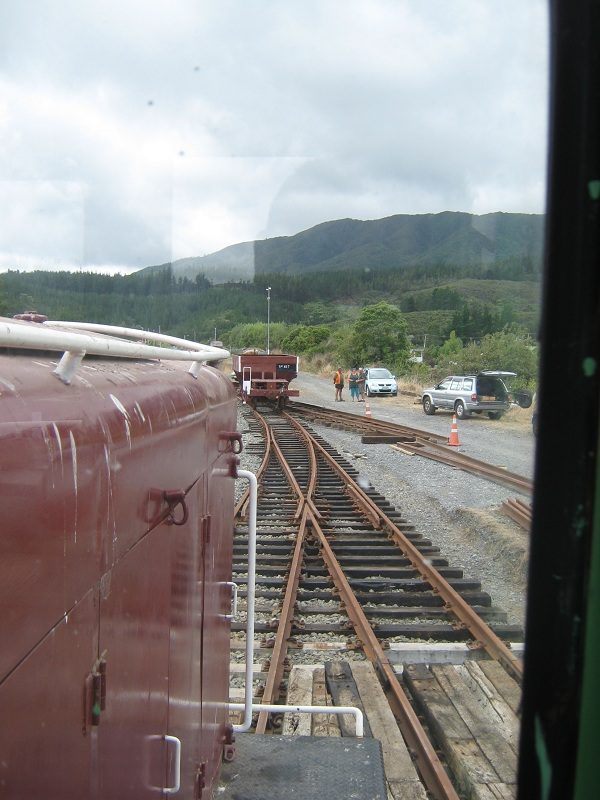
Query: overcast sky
[{"x": 133, "y": 133}]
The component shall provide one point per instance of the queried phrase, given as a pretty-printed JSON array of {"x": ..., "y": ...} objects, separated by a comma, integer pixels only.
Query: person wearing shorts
[
  {"x": 338, "y": 380},
  {"x": 353, "y": 384},
  {"x": 362, "y": 377}
]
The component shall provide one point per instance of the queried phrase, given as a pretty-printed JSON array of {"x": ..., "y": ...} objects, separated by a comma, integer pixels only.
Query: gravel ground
[{"x": 457, "y": 511}]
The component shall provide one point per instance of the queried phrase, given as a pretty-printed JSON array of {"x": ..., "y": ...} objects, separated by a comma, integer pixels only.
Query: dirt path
[{"x": 508, "y": 442}]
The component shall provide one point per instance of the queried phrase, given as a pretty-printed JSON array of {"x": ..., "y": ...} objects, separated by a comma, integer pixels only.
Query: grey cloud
[{"x": 373, "y": 108}]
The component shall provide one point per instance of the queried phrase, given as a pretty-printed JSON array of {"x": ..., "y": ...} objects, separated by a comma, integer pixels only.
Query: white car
[{"x": 380, "y": 381}]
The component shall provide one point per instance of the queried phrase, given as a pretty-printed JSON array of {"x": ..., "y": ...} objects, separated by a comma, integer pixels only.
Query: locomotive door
[
  {"x": 201, "y": 552},
  {"x": 186, "y": 720},
  {"x": 134, "y": 643},
  {"x": 44, "y": 751},
  {"x": 217, "y": 558}
]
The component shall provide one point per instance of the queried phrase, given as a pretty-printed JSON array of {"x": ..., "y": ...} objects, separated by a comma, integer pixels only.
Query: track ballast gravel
[{"x": 459, "y": 512}]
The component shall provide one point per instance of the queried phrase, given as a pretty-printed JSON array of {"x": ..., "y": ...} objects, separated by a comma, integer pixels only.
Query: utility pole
[{"x": 268, "y": 320}]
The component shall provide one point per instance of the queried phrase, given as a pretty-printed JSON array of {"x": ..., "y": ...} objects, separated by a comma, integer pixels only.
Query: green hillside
[
  {"x": 326, "y": 276},
  {"x": 401, "y": 241},
  {"x": 523, "y": 295}
]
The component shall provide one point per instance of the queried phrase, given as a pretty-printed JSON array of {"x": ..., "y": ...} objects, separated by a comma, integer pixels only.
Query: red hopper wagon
[{"x": 265, "y": 377}]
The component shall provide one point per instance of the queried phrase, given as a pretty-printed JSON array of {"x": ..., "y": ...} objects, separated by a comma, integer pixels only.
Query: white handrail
[
  {"x": 276, "y": 709},
  {"x": 76, "y": 345},
  {"x": 247, "y": 706},
  {"x": 209, "y": 353},
  {"x": 250, "y": 595}
]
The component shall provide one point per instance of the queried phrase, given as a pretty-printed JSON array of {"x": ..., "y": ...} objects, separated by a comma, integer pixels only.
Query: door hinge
[
  {"x": 206, "y": 529},
  {"x": 97, "y": 692}
]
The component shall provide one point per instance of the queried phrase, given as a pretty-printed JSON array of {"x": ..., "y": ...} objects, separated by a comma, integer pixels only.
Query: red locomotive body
[
  {"x": 265, "y": 377},
  {"x": 115, "y": 562}
]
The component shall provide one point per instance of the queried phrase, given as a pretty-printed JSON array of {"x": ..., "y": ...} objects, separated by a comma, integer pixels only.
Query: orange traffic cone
[
  {"x": 367, "y": 409},
  {"x": 453, "y": 441}
]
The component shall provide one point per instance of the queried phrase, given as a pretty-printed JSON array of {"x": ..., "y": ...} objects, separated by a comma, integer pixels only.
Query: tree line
[{"x": 362, "y": 316}]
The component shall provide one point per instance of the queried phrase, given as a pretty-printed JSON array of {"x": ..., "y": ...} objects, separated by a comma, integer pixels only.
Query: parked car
[
  {"x": 485, "y": 392},
  {"x": 379, "y": 380}
]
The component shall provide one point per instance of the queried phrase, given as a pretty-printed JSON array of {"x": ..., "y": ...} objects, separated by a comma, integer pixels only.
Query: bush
[
  {"x": 379, "y": 336},
  {"x": 505, "y": 350},
  {"x": 306, "y": 338}
]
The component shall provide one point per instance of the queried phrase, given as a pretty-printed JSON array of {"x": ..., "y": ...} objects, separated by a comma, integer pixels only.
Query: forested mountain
[
  {"x": 233, "y": 263},
  {"x": 435, "y": 299},
  {"x": 393, "y": 242},
  {"x": 445, "y": 272}
]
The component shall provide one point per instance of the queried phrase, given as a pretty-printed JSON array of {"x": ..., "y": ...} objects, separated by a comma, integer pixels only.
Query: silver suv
[{"x": 470, "y": 394}]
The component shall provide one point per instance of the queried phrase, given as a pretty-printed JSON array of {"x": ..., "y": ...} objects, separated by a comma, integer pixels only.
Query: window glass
[{"x": 380, "y": 373}]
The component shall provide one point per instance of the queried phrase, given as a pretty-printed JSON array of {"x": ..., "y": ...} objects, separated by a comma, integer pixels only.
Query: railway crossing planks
[
  {"x": 479, "y": 743},
  {"x": 323, "y": 724},
  {"x": 354, "y": 683},
  {"x": 506, "y": 686},
  {"x": 471, "y": 711},
  {"x": 344, "y": 692},
  {"x": 488, "y": 697},
  {"x": 400, "y": 773},
  {"x": 299, "y": 693}
]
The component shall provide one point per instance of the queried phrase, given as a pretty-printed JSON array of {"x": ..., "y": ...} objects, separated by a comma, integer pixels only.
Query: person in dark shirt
[
  {"x": 353, "y": 384},
  {"x": 362, "y": 377}
]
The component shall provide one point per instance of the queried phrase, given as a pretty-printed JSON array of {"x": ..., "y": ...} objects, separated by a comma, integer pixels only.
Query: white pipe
[
  {"x": 247, "y": 705},
  {"x": 274, "y": 709},
  {"x": 210, "y": 353},
  {"x": 19, "y": 334},
  {"x": 251, "y": 591}
]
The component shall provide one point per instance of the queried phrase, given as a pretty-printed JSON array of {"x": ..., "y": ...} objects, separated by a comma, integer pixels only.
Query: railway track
[
  {"x": 413, "y": 441},
  {"x": 342, "y": 577}
]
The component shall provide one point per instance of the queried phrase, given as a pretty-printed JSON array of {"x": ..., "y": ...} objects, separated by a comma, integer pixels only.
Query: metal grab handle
[
  {"x": 177, "y": 742},
  {"x": 233, "y": 586}
]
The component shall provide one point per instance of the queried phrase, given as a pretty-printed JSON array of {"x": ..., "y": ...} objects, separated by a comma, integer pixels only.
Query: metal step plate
[{"x": 303, "y": 768}]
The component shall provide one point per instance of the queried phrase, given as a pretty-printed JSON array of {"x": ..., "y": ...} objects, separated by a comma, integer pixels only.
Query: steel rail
[
  {"x": 289, "y": 474},
  {"x": 362, "y": 423},
  {"x": 433, "y": 774},
  {"x": 454, "y": 602},
  {"x": 284, "y": 627},
  {"x": 518, "y": 511},
  {"x": 475, "y": 466},
  {"x": 430, "y": 768},
  {"x": 426, "y": 444},
  {"x": 242, "y": 504}
]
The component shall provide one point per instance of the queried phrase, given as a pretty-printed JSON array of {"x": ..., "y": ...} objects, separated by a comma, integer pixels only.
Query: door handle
[
  {"x": 177, "y": 761},
  {"x": 233, "y": 586}
]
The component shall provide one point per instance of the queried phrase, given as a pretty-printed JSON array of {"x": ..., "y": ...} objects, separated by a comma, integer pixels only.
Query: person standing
[
  {"x": 362, "y": 378},
  {"x": 353, "y": 384},
  {"x": 338, "y": 380}
]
